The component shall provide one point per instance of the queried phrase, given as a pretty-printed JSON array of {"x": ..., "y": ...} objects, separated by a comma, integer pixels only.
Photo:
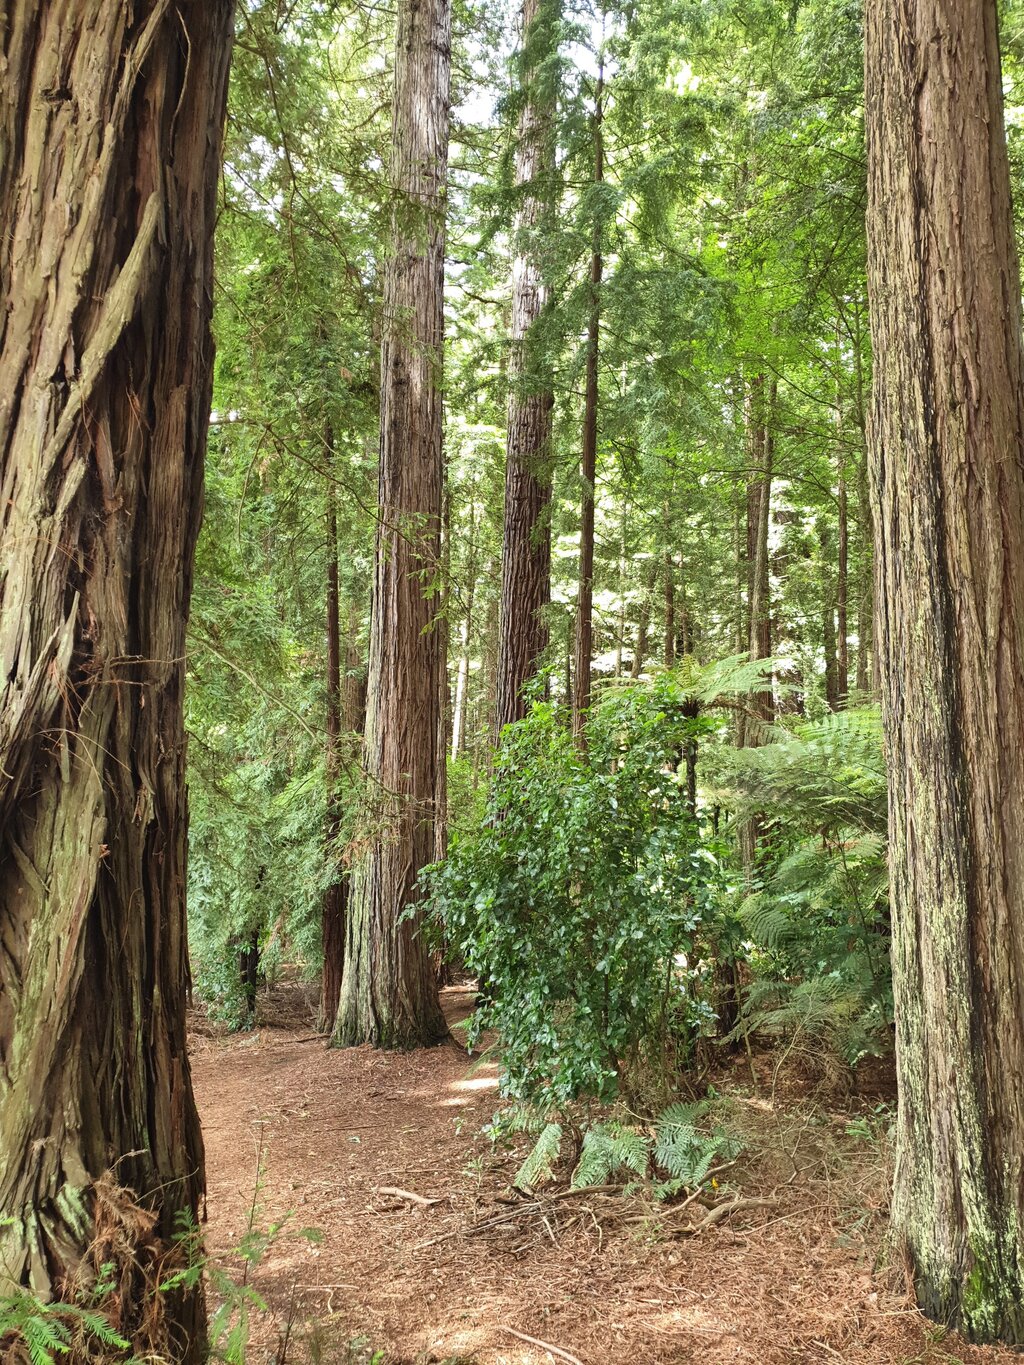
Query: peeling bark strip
[
  {"x": 948, "y": 490},
  {"x": 526, "y": 538},
  {"x": 388, "y": 993},
  {"x": 110, "y": 129}
]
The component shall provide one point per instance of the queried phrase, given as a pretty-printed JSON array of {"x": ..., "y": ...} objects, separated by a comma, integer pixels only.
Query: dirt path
[{"x": 792, "y": 1283}]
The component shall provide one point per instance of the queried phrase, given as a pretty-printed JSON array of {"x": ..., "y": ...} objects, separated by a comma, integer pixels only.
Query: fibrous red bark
[
  {"x": 526, "y": 531},
  {"x": 389, "y": 993},
  {"x": 948, "y": 488},
  {"x": 110, "y": 133}
]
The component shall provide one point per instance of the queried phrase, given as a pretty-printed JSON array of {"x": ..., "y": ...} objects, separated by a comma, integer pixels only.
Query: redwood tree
[
  {"x": 584, "y": 642},
  {"x": 388, "y": 993},
  {"x": 110, "y": 130},
  {"x": 337, "y": 889},
  {"x": 526, "y": 537},
  {"x": 948, "y": 489}
]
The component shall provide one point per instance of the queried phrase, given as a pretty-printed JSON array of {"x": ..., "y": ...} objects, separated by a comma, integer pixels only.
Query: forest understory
[
  {"x": 607, "y": 1280},
  {"x": 527, "y": 493}
]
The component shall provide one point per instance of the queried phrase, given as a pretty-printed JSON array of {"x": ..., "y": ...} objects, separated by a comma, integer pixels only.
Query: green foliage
[
  {"x": 43, "y": 1332},
  {"x": 670, "y": 1156},
  {"x": 608, "y": 1149},
  {"x": 539, "y": 1166},
  {"x": 682, "y": 1150},
  {"x": 295, "y": 411},
  {"x": 577, "y": 896},
  {"x": 827, "y": 775},
  {"x": 818, "y": 916},
  {"x": 237, "y": 1302}
]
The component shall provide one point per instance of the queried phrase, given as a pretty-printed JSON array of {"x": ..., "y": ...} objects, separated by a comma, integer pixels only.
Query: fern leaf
[
  {"x": 596, "y": 1161},
  {"x": 539, "y": 1166}
]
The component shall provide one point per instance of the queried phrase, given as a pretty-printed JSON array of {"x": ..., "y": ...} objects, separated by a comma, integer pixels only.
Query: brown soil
[{"x": 607, "y": 1285}]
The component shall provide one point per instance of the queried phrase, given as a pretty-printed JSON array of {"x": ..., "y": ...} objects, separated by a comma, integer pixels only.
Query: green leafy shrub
[{"x": 577, "y": 900}]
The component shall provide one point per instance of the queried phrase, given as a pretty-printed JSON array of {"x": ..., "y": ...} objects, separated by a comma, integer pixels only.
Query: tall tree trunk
[
  {"x": 388, "y": 994},
  {"x": 669, "y": 585},
  {"x": 843, "y": 557},
  {"x": 569, "y": 643},
  {"x": 465, "y": 639},
  {"x": 444, "y": 693},
  {"x": 684, "y": 637},
  {"x": 110, "y": 134},
  {"x": 620, "y": 624},
  {"x": 741, "y": 620},
  {"x": 865, "y": 522},
  {"x": 865, "y": 588},
  {"x": 759, "y": 496},
  {"x": 828, "y": 622},
  {"x": 948, "y": 488},
  {"x": 643, "y": 624},
  {"x": 588, "y": 461},
  {"x": 490, "y": 652},
  {"x": 526, "y": 542},
  {"x": 336, "y": 894},
  {"x": 760, "y": 447}
]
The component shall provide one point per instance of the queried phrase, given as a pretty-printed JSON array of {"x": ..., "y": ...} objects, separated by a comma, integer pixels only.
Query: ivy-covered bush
[{"x": 578, "y": 898}]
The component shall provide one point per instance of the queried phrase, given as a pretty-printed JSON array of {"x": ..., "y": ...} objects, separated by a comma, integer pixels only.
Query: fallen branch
[
  {"x": 524, "y": 1208},
  {"x": 544, "y": 1346},
  {"x": 398, "y": 1193},
  {"x": 723, "y": 1211},
  {"x": 582, "y": 1190},
  {"x": 701, "y": 1192}
]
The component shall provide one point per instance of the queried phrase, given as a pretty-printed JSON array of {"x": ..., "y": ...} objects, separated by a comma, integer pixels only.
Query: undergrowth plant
[
  {"x": 40, "y": 1332},
  {"x": 578, "y": 898},
  {"x": 81, "y": 1327},
  {"x": 670, "y": 1154},
  {"x": 816, "y": 912}
]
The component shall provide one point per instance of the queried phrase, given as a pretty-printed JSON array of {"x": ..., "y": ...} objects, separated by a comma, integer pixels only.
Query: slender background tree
[{"x": 388, "y": 993}]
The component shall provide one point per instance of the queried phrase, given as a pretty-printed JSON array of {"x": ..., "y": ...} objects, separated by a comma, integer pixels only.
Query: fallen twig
[
  {"x": 701, "y": 1190},
  {"x": 582, "y": 1190},
  {"x": 398, "y": 1193},
  {"x": 544, "y": 1346},
  {"x": 525, "y": 1208}
]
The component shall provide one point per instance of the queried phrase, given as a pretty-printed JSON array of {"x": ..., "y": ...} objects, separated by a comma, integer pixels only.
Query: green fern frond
[
  {"x": 608, "y": 1148},
  {"x": 596, "y": 1162},
  {"x": 45, "y": 1329},
  {"x": 767, "y": 923},
  {"x": 682, "y": 1113},
  {"x": 681, "y": 1149},
  {"x": 539, "y": 1166}
]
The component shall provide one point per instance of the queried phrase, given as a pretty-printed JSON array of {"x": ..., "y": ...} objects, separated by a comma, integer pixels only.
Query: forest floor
[{"x": 604, "y": 1281}]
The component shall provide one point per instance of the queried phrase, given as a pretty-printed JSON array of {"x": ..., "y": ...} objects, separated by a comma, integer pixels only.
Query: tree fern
[
  {"x": 767, "y": 922},
  {"x": 826, "y": 774}
]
